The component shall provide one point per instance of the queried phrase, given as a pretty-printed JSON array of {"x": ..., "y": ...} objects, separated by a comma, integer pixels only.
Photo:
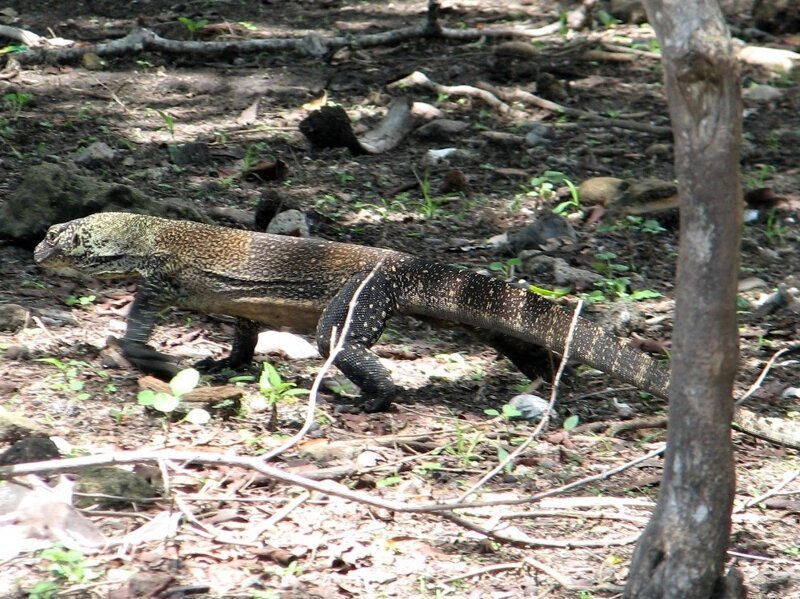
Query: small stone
[
  {"x": 441, "y": 129},
  {"x": 762, "y": 93},
  {"x": 426, "y": 111},
  {"x": 194, "y": 153},
  {"x": 290, "y": 222},
  {"x": 658, "y": 149},
  {"x": 538, "y": 134},
  {"x": 97, "y": 154},
  {"x": 289, "y": 344},
  {"x": 16, "y": 352},
  {"x": 13, "y": 317}
]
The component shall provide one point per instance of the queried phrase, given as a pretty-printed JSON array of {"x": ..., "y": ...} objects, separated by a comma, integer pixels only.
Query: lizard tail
[{"x": 468, "y": 298}]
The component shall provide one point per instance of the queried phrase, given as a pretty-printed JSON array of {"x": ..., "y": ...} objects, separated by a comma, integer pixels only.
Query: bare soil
[{"x": 316, "y": 545}]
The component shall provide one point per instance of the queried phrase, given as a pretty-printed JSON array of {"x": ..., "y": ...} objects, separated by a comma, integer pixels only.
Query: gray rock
[
  {"x": 97, "y": 154},
  {"x": 53, "y": 193},
  {"x": 195, "y": 153}
]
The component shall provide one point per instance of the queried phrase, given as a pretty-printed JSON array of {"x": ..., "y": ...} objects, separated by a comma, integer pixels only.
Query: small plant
[
  {"x": 70, "y": 371},
  {"x": 465, "y": 446},
  {"x": 180, "y": 385},
  {"x": 15, "y": 102},
  {"x": 429, "y": 206},
  {"x": 169, "y": 121},
  {"x": 506, "y": 268},
  {"x": 614, "y": 286},
  {"x": 758, "y": 178},
  {"x": 508, "y": 412},
  {"x": 345, "y": 177},
  {"x": 774, "y": 230},
  {"x": 80, "y": 300},
  {"x": 192, "y": 25},
  {"x": 573, "y": 204},
  {"x": 275, "y": 390},
  {"x": 545, "y": 186},
  {"x": 67, "y": 565},
  {"x": 631, "y": 222}
]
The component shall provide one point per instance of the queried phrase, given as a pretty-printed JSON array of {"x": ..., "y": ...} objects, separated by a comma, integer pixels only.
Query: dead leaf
[
  {"x": 317, "y": 103},
  {"x": 249, "y": 115}
]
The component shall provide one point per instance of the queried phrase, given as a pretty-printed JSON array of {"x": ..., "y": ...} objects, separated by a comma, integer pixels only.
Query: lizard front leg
[
  {"x": 373, "y": 308},
  {"x": 150, "y": 300},
  {"x": 245, "y": 339}
]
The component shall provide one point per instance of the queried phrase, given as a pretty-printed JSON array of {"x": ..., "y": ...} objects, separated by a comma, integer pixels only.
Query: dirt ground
[{"x": 243, "y": 535}]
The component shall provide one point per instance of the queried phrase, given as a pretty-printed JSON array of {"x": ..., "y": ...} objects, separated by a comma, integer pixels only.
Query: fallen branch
[
  {"x": 418, "y": 79},
  {"x": 519, "y": 95},
  {"x": 147, "y": 40}
]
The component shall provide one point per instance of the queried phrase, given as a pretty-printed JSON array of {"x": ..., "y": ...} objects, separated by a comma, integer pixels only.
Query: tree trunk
[{"x": 682, "y": 550}]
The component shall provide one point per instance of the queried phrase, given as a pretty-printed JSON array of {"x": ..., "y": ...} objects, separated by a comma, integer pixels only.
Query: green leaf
[
  {"x": 270, "y": 378},
  {"x": 184, "y": 381},
  {"x": 554, "y": 293},
  {"x": 645, "y": 294},
  {"x": 510, "y": 411},
  {"x": 146, "y": 397},
  {"x": 389, "y": 481},
  {"x": 296, "y": 392},
  {"x": 53, "y": 362},
  {"x": 571, "y": 422},
  {"x": 491, "y": 412},
  {"x": 164, "y": 402},
  {"x": 198, "y": 416}
]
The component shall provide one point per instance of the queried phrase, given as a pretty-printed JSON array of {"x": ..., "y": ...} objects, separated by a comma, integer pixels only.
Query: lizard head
[{"x": 102, "y": 245}]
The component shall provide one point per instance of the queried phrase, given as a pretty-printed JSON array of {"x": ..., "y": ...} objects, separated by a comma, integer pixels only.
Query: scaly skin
[{"x": 307, "y": 283}]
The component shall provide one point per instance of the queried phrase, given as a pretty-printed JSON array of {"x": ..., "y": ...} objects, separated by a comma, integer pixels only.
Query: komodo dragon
[{"x": 303, "y": 283}]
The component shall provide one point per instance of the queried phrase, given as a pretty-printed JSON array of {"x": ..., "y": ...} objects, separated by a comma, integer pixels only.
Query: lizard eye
[{"x": 51, "y": 236}]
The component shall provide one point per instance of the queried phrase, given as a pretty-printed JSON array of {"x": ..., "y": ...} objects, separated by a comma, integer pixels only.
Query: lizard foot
[
  {"x": 212, "y": 366},
  {"x": 145, "y": 358}
]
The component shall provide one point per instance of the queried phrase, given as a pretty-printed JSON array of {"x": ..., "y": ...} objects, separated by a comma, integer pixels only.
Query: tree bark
[{"x": 682, "y": 550}]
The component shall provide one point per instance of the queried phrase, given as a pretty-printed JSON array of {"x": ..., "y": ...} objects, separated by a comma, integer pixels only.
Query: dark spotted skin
[{"x": 274, "y": 280}]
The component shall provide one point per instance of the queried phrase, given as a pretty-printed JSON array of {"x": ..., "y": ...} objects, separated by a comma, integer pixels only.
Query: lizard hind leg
[{"x": 374, "y": 306}]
